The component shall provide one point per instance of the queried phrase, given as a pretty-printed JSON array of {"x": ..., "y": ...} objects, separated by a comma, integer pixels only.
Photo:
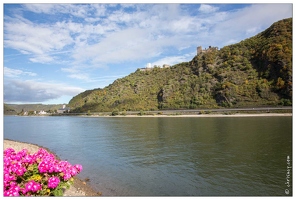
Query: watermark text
[{"x": 288, "y": 176}]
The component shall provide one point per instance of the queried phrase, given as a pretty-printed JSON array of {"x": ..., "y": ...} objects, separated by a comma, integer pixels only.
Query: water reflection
[{"x": 168, "y": 156}]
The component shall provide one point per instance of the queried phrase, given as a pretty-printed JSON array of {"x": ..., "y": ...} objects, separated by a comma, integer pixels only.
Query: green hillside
[
  {"x": 8, "y": 110},
  {"x": 18, "y": 108},
  {"x": 254, "y": 72}
]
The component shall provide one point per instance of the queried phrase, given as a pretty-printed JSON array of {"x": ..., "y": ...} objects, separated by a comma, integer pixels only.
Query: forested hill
[{"x": 254, "y": 72}]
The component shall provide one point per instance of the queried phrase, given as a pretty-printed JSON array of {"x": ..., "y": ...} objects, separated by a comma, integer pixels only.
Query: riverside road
[
  {"x": 197, "y": 111},
  {"x": 235, "y": 109},
  {"x": 267, "y": 109}
]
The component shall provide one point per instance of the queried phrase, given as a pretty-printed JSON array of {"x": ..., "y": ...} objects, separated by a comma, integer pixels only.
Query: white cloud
[
  {"x": 33, "y": 91},
  {"x": 246, "y": 22},
  {"x": 100, "y": 9},
  {"x": 172, "y": 60},
  {"x": 42, "y": 59},
  {"x": 76, "y": 73},
  {"x": 69, "y": 70},
  {"x": 78, "y": 10},
  {"x": 147, "y": 34},
  {"x": 9, "y": 72},
  {"x": 79, "y": 76},
  {"x": 36, "y": 39},
  {"x": 204, "y": 8},
  {"x": 252, "y": 30},
  {"x": 39, "y": 7},
  {"x": 117, "y": 47},
  {"x": 186, "y": 25}
]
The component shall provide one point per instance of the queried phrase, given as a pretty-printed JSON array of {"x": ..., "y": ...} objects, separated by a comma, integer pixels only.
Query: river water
[{"x": 168, "y": 156}]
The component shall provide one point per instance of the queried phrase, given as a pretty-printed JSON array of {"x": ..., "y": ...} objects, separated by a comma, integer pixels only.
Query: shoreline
[
  {"x": 199, "y": 115},
  {"x": 199, "y": 112},
  {"x": 78, "y": 188},
  {"x": 170, "y": 115}
]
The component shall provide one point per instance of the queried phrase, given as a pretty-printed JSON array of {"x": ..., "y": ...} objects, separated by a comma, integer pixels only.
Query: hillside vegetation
[
  {"x": 254, "y": 72},
  {"x": 13, "y": 109},
  {"x": 8, "y": 110}
]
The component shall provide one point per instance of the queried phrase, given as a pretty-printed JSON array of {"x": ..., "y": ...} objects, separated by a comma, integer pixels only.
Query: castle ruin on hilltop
[{"x": 200, "y": 50}]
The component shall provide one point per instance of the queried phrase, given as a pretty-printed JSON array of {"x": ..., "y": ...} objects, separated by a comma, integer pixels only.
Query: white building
[
  {"x": 63, "y": 110},
  {"x": 166, "y": 66},
  {"x": 42, "y": 112}
]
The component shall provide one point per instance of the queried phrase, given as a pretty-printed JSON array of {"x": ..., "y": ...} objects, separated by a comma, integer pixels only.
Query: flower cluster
[{"x": 37, "y": 174}]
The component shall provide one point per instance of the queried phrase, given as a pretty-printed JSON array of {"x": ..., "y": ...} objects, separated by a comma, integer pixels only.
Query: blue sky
[{"x": 52, "y": 52}]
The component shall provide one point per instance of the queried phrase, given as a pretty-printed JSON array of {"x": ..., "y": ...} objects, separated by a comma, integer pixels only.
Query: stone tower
[{"x": 199, "y": 50}]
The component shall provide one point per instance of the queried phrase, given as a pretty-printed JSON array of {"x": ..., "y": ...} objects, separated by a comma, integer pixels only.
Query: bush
[
  {"x": 88, "y": 112},
  {"x": 115, "y": 112},
  {"x": 285, "y": 102},
  {"x": 202, "y": 112},
  {"x": 123, "y": 113},
  {"x": 141, "y": 113},
  {"x": 38, "y": 174}
]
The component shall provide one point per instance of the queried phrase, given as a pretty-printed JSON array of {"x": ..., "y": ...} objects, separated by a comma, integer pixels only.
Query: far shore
[
  {"x": 199, "y": 115},
  {"x": 170, "y": 115},
  {"x": 207, "y": 112}
]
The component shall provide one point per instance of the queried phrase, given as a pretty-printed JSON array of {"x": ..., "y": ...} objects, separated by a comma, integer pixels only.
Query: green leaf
[{"x": 57, "y": 192}]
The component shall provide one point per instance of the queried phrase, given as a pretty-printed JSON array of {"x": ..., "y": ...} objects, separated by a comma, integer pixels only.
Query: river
[{"x": 163, "y": 156}]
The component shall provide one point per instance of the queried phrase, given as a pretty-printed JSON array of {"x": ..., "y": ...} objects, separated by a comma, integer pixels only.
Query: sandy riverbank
[{"x": 79, "y": 187}]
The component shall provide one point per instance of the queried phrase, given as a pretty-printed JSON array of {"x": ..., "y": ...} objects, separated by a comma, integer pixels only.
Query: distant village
[{"x": 62, "y": 110}]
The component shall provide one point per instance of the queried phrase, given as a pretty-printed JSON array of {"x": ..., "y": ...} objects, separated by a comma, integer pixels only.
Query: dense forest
[{"x": 254, "y": 72}]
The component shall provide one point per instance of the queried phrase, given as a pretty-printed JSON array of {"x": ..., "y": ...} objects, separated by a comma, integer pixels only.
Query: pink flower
[
  {"x": 8, "y": 177},
  {"x": 57, "y": 168},
  {"x": 45, "y": 166},
  {"x": 78, "y": 167},
  {"x": 36, "y": 187},
  {"x": 33, "y": 186},
  {"x": 67, "y": 176},
  {"x": 18, "y": 169},
  {"x": 73, "y": 171},
  {"x": 30, "y": 159},
  {"x": 17, "y": 163},
  {"x": 12, "y": 191},
  {"x": 53, "y": 182},
  {"x": 9, "y": 151}
]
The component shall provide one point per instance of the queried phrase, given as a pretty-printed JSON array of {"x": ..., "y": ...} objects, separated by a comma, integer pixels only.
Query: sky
[{"x": 52, "y": 52}]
